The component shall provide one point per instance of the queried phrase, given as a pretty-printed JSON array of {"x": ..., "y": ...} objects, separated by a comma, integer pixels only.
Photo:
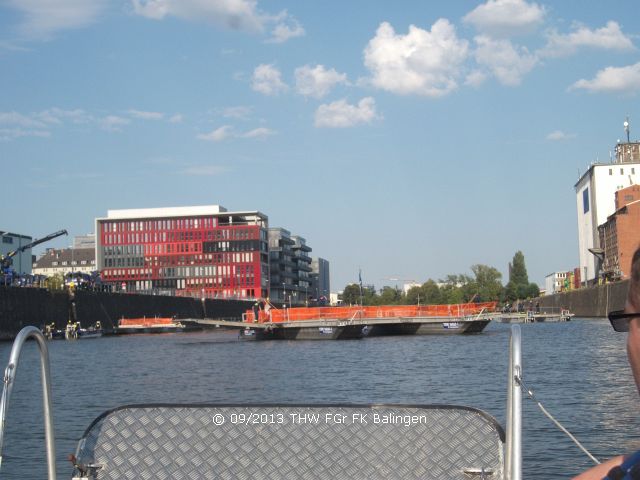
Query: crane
[{"x": 7, "y": 274}]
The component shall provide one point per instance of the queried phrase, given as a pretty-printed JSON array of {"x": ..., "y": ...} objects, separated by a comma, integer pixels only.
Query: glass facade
[{"x": 207, "y": 256}]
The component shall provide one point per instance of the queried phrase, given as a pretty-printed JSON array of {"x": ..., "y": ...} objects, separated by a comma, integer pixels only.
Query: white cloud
[
  {"x": 286, "y": 28},
  {"x": 233, "y": 14},
  {"x": 38, "y": 124},
  {"x": 421, "y": 62},
  {"x": 609, "y": 37},
  {"x": 612, "y": 80},
  {"x": 240, "y": 15},
  {"x": 218, "y": 134},
  {"x": 177, "y": 118},
  {"x": 506, "y": 62},
  {"x": 559, "y": 135},
  {"x": 204, "y": 170},
  {"x": 226, "y": 132},
  {"x": 267, "y": 80},
  {"x": 114, "y": 123},
  {"x": 341, "y": 115},
  {"x": 42, "y": 19},
  {"x": 146, "y": 115},
  {"x": 475, "y": 78},
  {"x": 58, "y": 115},
  {"x": 260, "y": 132},
  {"x": 239, "y": 111},
  {"x": 7, "y": 134},
  {"x": 18, "y": 119},
  {"x": 317, "y": 81},
  {"x": 500, "y": 18}
]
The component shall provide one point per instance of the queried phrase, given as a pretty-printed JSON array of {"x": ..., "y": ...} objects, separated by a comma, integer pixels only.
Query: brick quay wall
[{"x": 20, "y": 307}]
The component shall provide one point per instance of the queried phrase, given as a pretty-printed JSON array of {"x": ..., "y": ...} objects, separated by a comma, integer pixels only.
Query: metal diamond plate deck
[{"x": 293, "y": 442}]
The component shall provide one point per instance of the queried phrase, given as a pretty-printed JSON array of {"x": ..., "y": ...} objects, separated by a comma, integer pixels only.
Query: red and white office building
[{"x": 201, "y": 251}]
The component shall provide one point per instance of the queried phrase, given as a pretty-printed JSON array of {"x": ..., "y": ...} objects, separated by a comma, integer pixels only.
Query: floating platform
[
  {"x": 151, "y": 325},
  {"x": 334, "y": 329},
  {"x": 535, "y": 317}
]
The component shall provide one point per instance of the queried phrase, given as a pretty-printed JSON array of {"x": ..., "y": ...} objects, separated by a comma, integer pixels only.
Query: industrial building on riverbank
[{"x": 596, "y": 202}]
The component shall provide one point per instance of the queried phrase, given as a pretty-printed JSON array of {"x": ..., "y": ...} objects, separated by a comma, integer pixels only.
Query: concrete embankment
[
  {"x": 590, "y": 302},
  {"x": 20, "y": 307}
]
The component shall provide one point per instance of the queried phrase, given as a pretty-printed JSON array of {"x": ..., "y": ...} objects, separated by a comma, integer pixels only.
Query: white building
[
  {"x": 65, "y": 260},
  {"x": 554, "y": 282},
  {"x": 595, "y": 200}
]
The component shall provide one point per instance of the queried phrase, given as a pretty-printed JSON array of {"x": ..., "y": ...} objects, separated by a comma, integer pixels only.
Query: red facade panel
[{"x": 191, "y": 256}]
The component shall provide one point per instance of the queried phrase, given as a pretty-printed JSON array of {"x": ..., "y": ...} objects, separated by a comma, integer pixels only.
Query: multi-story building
[
  {"x": 290, "y": 266},
  {"x": 557, "y": 282},
  {"x": 65, "y": 260},
  {"x": 202, "y": 251},
  {"x": 12, "y": 241},
  {"x": 620, "y": 234},
  {"x": 84, "y": 241},
  {"x": 595, "y": 201},
  {"x": 320, "y": 280}
]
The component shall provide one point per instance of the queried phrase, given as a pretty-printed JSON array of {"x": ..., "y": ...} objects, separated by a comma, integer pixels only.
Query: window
[
  {"x": 622, "y": 171},
  {"x": 7, "y": 239},
  {"x": 585, "y": 200},
  {"x": 610, "y": 171}
]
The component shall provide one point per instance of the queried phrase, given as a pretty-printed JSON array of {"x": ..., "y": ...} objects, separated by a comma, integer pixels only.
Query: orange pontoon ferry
[{"x": 357, "y": 321}]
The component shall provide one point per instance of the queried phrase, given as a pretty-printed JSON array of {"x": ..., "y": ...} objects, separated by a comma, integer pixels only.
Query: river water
[{"x": 578, "y": 370}]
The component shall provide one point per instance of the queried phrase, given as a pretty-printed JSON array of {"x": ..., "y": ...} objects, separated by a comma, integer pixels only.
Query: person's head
[{"x": 632, "y": 305}]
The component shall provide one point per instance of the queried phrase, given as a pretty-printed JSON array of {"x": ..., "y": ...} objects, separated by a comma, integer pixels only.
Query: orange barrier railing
[{"x": 355, "y": 312}]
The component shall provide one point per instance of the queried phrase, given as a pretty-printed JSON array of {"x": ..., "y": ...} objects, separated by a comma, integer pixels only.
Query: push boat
[
  {"x": 333, "y": 323},
  {"x": 267, "y": 441}
]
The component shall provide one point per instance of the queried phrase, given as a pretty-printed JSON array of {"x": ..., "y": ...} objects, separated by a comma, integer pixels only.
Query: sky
[{"x": 407, "y": 140}]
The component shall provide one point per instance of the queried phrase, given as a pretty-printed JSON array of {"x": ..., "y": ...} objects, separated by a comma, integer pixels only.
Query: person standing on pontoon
[{"x": 628, "y": 320}]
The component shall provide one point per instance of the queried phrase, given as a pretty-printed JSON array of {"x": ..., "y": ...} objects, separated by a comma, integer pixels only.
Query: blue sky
[{"x": 408, "y": 139}]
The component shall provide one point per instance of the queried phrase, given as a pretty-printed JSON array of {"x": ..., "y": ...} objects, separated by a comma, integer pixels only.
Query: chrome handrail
[
  {"x": 513, "y": 453},
  {"x": 9, "y": 378}
]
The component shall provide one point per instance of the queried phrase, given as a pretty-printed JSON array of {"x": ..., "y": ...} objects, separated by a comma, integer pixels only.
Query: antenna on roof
[{"x": 626, "y": 128}]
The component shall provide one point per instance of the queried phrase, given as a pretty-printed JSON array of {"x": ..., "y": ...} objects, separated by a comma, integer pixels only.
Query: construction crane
[{"x": 7, "y": 274}]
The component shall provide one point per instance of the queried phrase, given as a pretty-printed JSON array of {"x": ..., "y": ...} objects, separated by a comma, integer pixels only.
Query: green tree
[
  {"x": 487, "y": 283},
  {"x": 519, "y": 286},
  {"x": 351, "y": 294},
  {"x": 431, "y": 294},
  {"x": 533, "y": 290},
  {"x": 55, "y": 282},
  {"x": 389, "y": 296},
  {"x": 518, "y": 270}
]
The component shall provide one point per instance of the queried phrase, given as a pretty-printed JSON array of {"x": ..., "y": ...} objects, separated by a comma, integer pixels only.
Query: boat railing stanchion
[
  {"x": 9, "y": 378},
  {"x": 513, "y": 449}
]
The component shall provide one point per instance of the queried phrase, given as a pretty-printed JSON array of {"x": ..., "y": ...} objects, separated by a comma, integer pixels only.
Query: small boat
[
  {"x": 74, "y": 331},
  {"x": 95, "y": 331}
]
